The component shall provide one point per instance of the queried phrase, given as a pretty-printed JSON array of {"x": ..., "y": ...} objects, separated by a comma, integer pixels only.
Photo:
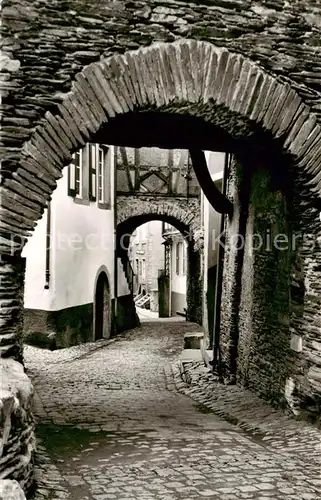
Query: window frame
[
  {"x": 178, "y": 263},
  {"x": 184, "y": 259},
  {"x": 105, "y": 203},
  {"x": 92, "y": 167},
  {"x": 84, "y": 180}
]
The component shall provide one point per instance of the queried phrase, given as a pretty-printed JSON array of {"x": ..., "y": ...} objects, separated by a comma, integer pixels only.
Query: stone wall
[
  {"x": 17, "y": 441},
  {"x": 265, "y": 360},
  {"x": 305, "y": 326},
  {"x": 58, "y": 329}
]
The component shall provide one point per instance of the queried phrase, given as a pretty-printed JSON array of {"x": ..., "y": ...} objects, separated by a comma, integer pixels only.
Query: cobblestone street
[{"x": 146, "y": 440}]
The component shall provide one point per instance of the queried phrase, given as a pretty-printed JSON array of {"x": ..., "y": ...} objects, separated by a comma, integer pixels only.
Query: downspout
[
  {"x": 48, "y": 238},
  {"x": 217, "y": 362},
  {"x": 114, "y": 173}
]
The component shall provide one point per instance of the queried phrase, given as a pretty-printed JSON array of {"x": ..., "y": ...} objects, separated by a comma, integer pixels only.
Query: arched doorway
[{"x": 102, "y": 308}]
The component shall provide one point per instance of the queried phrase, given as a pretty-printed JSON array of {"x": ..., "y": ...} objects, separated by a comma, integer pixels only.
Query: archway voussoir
[
  {"x": 109, "y": 100},
  {"x": 249, "y": 89},
  {"x": 198, "y": 58},
  {"x": 126, "y": 75},
  {"x": 205, "y": 65},
  {"x": 277, "y": 98},
  {"x": 261, "y": 98},
  {"x": 87, "y": 84},
  {"x": 314, "y": 164},
  {"x": 152, "y": 59},
  {"x": 95, "y": 77},
  {"x": 71, "y": 104},
  {"x": 79, "y": 102},
  {"x": 308, "y": 161},
  {"x": 255, "y": 93},
  {"x": 211, "y": 74},
  {"x": 299, "y": 142},
  {"x": 111, "y": 88},
  {"x": 241, "y": 87},
  {"x": 293, "y": 110},
  {"x": 282, "y": 109},
  {"x": 168, "y": 77},
  {"x": 268, "y": 100},
  {"x": 40, "y": 149},
  {"x": 72, "y": 125},
  {"x": 44, "y": 144},
  {"x": 296, "y": 126},
  {"x": 135, "y": 77},
  {"x": 223, "y": 58},
  {"x": 174, "y": 59},
  {"x": 185, "y": 67},
  {"x": 63, "y": 144},
  {"x": 115, "y": 67},
  {"x": 230, "y": 79},
  {"x": 116, "y": 91},
  {"x": 146, "y": 79},
  {"x": 313, "y": 141},
  {"x": 61, "y": 130}
]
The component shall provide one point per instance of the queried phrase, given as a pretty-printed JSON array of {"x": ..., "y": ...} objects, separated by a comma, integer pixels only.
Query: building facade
[
  {"x": 175, "y": 255},
  {"x": 147, "y": 255},
  {"x": 70, "y": 259}
]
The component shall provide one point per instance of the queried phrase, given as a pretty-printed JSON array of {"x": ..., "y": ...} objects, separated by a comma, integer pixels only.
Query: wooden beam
[
  {"x": 218, "y": 201},
  {"x": 125, "y": 163}
]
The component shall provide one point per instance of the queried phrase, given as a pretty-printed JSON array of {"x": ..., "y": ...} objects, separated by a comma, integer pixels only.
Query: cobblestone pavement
[{"x": 148, "y": 440}]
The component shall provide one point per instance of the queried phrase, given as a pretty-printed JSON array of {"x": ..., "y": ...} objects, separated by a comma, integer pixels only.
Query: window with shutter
[
  {"x": 184, "y": 258},
  {"x": 75, "y": 175},
  {"x": 92, "y": 171},
  {"x": 101, "y": 175},
  {"x": 72, "y": 178},
  {"x": 178, "y": 258}
]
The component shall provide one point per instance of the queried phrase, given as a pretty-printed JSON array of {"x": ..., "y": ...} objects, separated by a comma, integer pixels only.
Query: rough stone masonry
[{"x": 250, "y": 68}]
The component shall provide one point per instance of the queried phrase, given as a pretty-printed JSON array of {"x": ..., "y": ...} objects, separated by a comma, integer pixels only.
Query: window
[
  {"x": 92, "y": 172},
  {"x": 143, "y": 270},
  {"x": 184, "y": 258},
  {"x": 89, "y": 175},
  {"x": 178, "y": 255},
  {"x": 101, "y": 175},
  {"x": 181, "y": 258},
  {"x": 76, "y": 175}
]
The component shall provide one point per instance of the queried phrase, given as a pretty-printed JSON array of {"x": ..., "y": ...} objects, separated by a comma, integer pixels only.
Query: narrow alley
[{"x": 112, "y": 425}]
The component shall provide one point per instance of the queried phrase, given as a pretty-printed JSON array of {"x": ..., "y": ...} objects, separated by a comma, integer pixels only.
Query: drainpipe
[
  {"x": 217, "y": 362},
  {"x": 114, "y": 173},
  {"x": 48, "y": 238}
]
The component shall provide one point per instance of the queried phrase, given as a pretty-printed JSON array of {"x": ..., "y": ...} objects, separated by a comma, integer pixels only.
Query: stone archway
[
  {"x": 184, "y": 215},
  {"x": 187, "y": 75}
]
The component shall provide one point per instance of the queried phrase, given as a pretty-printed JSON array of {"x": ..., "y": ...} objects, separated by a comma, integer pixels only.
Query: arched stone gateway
[
  {"x": 254, "y": 108},
  {"x": 184, "y": 215}
]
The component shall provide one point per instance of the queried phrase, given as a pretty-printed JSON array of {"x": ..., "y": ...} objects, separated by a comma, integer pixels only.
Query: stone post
[{"x": 12, "y": 269}]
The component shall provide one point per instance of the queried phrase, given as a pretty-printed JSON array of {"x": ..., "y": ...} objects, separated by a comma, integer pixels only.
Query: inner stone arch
[
  {"x": 187, "y": 75},
  {"x": 186, "y": 218}
]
